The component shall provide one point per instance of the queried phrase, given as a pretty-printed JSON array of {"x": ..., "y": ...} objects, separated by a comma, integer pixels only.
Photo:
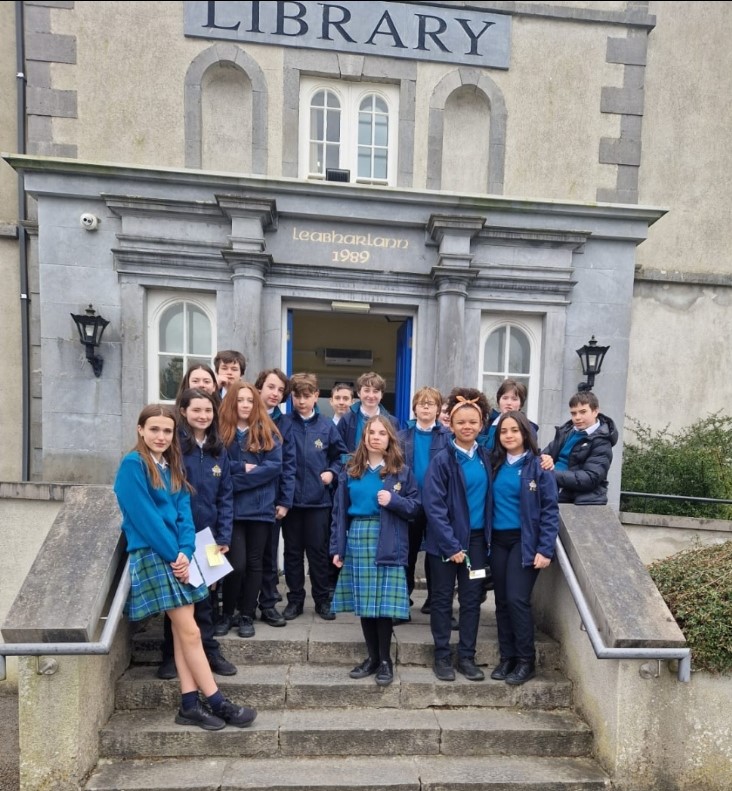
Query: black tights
[{"x": 377, "y": 633}]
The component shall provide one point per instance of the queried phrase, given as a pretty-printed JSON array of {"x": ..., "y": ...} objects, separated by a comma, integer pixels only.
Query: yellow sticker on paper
[{"x": 213, "y": 556}]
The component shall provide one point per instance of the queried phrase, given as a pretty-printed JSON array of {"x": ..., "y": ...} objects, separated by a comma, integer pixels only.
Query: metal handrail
[
  {"x": 603, "y": 651},
  {"x": 102, "y": 646},
  {"x": 690, "y": 498}
]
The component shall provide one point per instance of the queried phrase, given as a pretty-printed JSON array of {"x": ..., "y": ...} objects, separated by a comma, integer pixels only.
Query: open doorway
[{"x": 340, "y": 346}]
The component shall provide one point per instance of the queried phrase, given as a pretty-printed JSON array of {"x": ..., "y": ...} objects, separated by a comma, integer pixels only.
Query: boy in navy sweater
[
  {"x": 370, "y": 388},
  {"x": 306, "y": 528},
  {"x": 582, "y": 451}
]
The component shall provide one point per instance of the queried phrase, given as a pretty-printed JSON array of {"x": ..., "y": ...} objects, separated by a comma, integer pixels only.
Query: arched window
[
  {"x": 373, "y": 139},
  {"x": 348, "y": 126},
  {"x": 511, "y": 351},
  {"x": 180, "y": 332},
  {"x": 325, "y": 133}
]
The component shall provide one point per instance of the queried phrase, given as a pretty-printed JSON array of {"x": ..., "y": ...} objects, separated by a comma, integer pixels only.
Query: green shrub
[
  {"x": 696, "y": 462},
  {"x": 697, "y": 587}
]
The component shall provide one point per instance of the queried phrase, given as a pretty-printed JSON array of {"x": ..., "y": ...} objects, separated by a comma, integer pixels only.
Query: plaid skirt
[
  {"x": 368, "y": 590},
  {"x": 154, "y": 588}
]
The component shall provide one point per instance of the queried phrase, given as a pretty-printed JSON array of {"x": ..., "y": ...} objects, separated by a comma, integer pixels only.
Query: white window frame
[
  {"x": 531, "y": 326},
  {"x": 157, "y": 303},
  {"x": 350, "y": 95}
]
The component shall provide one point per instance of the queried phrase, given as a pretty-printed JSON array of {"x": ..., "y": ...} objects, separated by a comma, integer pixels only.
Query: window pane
[
  {"x": 332, "y": 100},
  {"x": 171, "y": 329},
  {"x": 367, "y": 104},
  {"x": 491, "y": 383},
  {"x": 364, "y": 129},
  {"x": 316, "y": 124},
  {"x": 318, "y": 99},
  {"x": 316, "y": 158},
  {"x": 333, "y": 129},
  {"x": 199, "y": 332},
  {"x": 332, "y": 157},
  {"x": 381, "y": 130},
  {"x": 380, "y": 162},
  {"x": 380, "y": 105},
  {"x": 171, "y": 372},
  {"x": 493, "y": 354},
  {"x": 364, "y": 163},
  {"x": 519, "y": 352}
]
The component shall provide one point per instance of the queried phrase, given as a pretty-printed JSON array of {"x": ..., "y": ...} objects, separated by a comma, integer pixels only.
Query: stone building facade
[{"x": 518, "y": 177}]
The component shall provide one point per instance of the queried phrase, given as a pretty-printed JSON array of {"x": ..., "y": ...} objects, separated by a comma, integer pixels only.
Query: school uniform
[
  {"x": 581, "y": 470},
  {"x": 373, "y": 543},
  {"x": 455, "y": 500},
  {"x": 420, "y": 447},
  {"x": 212, "y": 506},
  {"x": 269, "y": 593},
  {"x": 158, "y": 526},
  {"x": 524, "y": 522},
  {"x": 255, "y": 493},
  {"x": 306, "y": 528}
]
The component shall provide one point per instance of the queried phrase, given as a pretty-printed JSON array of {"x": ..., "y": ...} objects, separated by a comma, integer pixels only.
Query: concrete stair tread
[
  {"x": 328, "y": 686},
  {"x": 438, "y": 773},
  {"x": 352, "y": 731}
]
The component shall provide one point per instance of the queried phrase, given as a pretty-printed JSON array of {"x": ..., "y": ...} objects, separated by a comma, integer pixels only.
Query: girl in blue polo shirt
[
  {"x": 455, "y": 499},
  {"x": 524, "y": 526},
  {"x": 375, "y": 499},
  {"x": 156, "y": 519}
]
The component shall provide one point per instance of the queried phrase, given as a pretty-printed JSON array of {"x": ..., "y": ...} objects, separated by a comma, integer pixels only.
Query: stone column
[
  {"x": 452, "y": 277},
  {"x": 250, "y": 264}
]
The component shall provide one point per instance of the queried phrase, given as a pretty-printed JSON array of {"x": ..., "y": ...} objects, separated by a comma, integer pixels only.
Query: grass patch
[{"x": 697, "y": 587}]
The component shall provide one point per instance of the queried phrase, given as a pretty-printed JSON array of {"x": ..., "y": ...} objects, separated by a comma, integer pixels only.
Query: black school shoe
[
  {"x": 444, "y": 670},
  {"x": 221, "y": 666},
  {"x": 292, "y": 611},
  {"x": 223, "y": 625},
  {"x": 385, "y": 674},
  {"x": 502, "y": 669},
  {"x": 470, "y": 670},
  {"x": 367, "y": 668},
  {"x": 167, "y": 669},
  {"x": 199, "y": 716},
  {"x": 523, "y": 671},
  {"x": 246, "y": 627},
  {"x": 324, "y": 611},
  {"x": 273, "y": 617},
  {"x": 238, "y": 716}
]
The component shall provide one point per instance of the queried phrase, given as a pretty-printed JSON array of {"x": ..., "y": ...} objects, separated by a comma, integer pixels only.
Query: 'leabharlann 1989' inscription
[{"x": 349, "y": 241}]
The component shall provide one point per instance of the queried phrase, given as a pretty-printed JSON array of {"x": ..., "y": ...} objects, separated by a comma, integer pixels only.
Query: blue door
[{"x": 403, "y": 373}]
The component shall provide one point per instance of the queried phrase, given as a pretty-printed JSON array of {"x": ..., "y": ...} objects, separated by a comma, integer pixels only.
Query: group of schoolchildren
[{"x": 359, "y": 498}]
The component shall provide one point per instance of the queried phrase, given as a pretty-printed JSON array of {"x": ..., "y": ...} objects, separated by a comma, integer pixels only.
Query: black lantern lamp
[
  {"x": 91, "y": 328},
  {"x": 591, "y": 356}
]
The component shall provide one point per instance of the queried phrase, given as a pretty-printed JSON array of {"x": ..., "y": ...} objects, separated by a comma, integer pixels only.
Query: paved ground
[{"x": 9, "y": 742}]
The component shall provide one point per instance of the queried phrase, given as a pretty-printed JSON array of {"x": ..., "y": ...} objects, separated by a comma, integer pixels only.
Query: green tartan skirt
[
  {"x": 368, "y": 590},
  {"x": 154, "y": 588}
]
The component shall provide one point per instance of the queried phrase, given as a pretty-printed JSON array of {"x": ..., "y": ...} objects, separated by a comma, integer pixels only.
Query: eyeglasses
[{"x": 427, "y": 403}]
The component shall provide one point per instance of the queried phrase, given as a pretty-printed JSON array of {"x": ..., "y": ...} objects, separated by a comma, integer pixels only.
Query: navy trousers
[
  {"x": 513, "y": 584},
  {"x": 442, "y": 580}
]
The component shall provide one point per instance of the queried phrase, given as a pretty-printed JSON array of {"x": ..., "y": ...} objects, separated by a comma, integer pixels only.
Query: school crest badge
[
  {"x": 532, "y": 486},
  {"x": 397, "y": 486},
  {"x": 216, "y": 470},
  {"x": 319, "y": 444}
]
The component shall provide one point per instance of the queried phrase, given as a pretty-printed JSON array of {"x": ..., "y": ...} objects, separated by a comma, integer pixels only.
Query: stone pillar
[
  {"x": 452, "y": 277},
  {"x": 250, "y": 217}
]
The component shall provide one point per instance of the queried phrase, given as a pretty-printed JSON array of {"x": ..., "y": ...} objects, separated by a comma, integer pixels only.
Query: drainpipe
[{"x": 23, "y": 245}]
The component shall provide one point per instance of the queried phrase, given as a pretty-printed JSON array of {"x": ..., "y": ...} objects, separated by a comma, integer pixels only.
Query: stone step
[
  {"x": 310, "y": 639},
  {"x": 419, "y": 773},
  {"x": 352, "y": 732},
  {"x": 304, "y": 686}
]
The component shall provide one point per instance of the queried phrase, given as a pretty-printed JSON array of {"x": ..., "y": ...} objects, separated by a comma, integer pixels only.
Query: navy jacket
[
  {"x": 255, "y": 492},
  {"x": 539, "y": 511},
  {"x": 392, "y": 548},
  {"x": 585, "y": 481},
  {"x": 347, "y": 424},
  {"x": 286, "y": 483},
  {"x": 446, "y": 504},
  {"x": 212, "y": 502},
  {"x": 318, "y": 448}
]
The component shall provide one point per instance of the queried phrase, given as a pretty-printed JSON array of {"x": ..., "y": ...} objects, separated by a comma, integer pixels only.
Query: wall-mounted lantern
[
  {"x": 91, "y": 328},
  {"x": 591, "y": 355}
]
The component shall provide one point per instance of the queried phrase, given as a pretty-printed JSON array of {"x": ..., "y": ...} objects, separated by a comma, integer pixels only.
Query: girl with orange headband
[{"x": 455, "y": 500}]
